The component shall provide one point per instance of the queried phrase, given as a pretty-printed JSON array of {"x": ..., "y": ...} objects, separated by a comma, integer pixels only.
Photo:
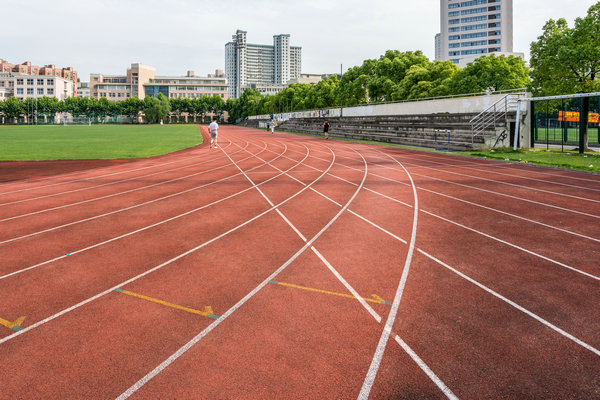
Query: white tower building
[{"x": 473, "y": 28}]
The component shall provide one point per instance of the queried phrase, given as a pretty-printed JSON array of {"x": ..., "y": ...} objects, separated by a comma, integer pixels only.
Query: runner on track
[
  {"x": 326, "y": 129},
  {"x": 214, "y": 132}
]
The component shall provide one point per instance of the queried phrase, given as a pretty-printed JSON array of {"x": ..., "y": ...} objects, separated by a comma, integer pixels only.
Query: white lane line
[
  {"x": 515, "y": 305},
  {"x": 106, "y": 184},
  {"x": 441, "y": 385},
  {"x": 138, "y": 230},
  {"x": 135, "y": 387},
  {"x": 479, "y": 232},
  {"x": 479, "y": 189},
  {"x": 99, "y": 176},
  {"x": 496, "y": 164},
  {"x": 135, "y": 278},
  {"x": 491, "y": 169},
  {"x": 111, "y": 195},
  {"x": 510, "y": 184},
  {"x": 438, "y": 382},
  {"x": 385, "y": 335},
  {"x": 513, "y": 246},
  {"x": 120, "y": 210}
]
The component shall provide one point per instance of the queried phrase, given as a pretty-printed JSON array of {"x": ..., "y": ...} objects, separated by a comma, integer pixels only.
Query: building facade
[
  {"x": 473, "y": 28},
  {"x": 189, "y": 86},
  {"x": 141, "y": 81},
  {"x": 28, "y": 86},
  {"x": 260, "y": 65},
  {"x": 27, "y": 68},
  {"x": 120, "y": 87}
]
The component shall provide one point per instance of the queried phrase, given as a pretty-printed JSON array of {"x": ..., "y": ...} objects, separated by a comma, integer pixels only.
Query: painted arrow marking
[
  {"x": 374, "y": 298},
  {"x": 15, "y": 326},
  {"x": 207, "y": 312}
]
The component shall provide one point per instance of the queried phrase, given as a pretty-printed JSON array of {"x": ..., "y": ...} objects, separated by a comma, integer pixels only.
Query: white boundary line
[
  {"x": 141, "y": 229},
  {"x": 111, "y": 195},
  {"x": 106, "y": 184},
  {"x": 135, "y": 278}
]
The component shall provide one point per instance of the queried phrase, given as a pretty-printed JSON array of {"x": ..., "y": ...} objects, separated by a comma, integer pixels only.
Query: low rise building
[
  {"x": 24, "y": 86},
  {"x": 27, "y": 68},
  {"x": 141, "y": 81},
  {"x": 189, "y": 86}
]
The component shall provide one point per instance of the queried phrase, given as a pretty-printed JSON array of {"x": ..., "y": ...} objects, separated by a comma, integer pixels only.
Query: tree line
[
  {"x": 153, "y": 109},
  {"x": 564, "y": 60}
]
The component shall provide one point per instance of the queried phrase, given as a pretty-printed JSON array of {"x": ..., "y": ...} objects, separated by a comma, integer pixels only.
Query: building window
[
  {"x": 19, "y": 90},
  {"x": 30, "y": 82},
  {"x": 51, "y": 91},
  {"x": 454, "y": 21},
  {"x": 29, "y": 90},
  {"x": 454, "y": 37},
  {"x": 478, "y": 18},
  {"x": 473, "y": 11},
  {"x": 40, "y": 91},
  {"x": 473, "y": 3},
  {"x": 455, "y": 60},
  {"x": 473, "y": 27},
  {"x": 40, "y": 82},
  {"x": 453, "y": 5},
  {"x": 454, "y": 53},
  {"x": 19, "y": 81},
  {"x": 50, "y": 82},
  {"x": 455, "y": 29},
  {"x": 454, "y": 45},
  {"x": 474, "y": 35}
]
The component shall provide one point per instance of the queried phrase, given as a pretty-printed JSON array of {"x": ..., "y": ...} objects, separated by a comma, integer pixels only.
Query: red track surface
[{"x": 496, "y": 291}]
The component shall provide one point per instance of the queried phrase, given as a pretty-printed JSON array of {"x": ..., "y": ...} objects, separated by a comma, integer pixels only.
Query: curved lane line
[
  {"x": 135, "y": 387},
  {"x": 375, "y": 363},
  {"x": 135, "y": 278},
  {"x": 105, "y": 184},
  {"x": 138, "y": 230}
]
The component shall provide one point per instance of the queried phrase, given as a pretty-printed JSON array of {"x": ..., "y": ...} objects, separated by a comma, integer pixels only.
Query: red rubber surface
[{"x": 501, "y": 299}]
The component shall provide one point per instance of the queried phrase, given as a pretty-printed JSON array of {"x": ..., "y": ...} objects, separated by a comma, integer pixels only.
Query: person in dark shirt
[{"x": 326, "y": 129}]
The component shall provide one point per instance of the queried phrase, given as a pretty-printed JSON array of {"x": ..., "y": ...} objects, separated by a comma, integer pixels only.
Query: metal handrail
[{"x": 490, "y": 115}]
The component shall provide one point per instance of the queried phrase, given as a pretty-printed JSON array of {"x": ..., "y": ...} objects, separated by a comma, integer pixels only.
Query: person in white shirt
[{"x": 214, "y": 132}]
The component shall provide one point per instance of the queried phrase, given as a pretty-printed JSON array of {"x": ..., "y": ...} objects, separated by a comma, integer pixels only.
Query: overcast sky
[{"x": 178, "y": 35}]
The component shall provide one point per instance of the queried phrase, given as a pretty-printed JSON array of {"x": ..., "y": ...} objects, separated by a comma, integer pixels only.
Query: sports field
[
  {"x": 30, "y": 143},
  {"x": 285, "y": 266}
]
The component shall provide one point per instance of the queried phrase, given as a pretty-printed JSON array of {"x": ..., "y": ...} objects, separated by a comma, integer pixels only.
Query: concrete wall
[{"x": 464, "y": 105}]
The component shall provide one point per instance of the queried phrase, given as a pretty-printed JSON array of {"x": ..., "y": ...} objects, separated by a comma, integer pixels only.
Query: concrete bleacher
[{"x": 411, "y": 130}]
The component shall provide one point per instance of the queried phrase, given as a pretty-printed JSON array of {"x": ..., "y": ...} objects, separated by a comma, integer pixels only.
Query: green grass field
[
  {"x": 552, "y": 158},
  {"x": 36, "y": 143},
  {"x": 556, "y": 135}
]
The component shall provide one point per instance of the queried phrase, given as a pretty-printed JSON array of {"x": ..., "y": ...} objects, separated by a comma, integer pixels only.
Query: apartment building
[
  {"x": 473, "y": 28},
  {"x": 27, "y": 68},
  {"x": 256, "y": 65},
  {"x": 32, "y": 86}
]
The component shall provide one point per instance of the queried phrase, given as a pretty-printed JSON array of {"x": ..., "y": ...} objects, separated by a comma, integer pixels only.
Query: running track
[{"x": 283, "y": 266}]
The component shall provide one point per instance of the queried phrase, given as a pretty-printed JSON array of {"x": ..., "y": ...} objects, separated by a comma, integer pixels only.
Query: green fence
[{"x": 557, "y": 121}]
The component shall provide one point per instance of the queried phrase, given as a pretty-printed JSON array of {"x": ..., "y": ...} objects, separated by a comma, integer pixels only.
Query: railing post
[{"x": 448, "y": 140}]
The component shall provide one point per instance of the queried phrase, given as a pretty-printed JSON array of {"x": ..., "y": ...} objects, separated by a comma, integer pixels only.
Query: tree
[
  {"x": 157, "y": 108},
  {"x": 13, "y": 107},
  {"x": 491, "y": 72},
  {"x": 567, "y": 60}
]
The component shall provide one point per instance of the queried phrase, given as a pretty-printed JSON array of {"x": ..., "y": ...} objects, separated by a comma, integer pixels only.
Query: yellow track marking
[
  {"x": 374, "y": 298},
  {"x": 12, "y": 325},
  {"x": 207, "y": 312}
]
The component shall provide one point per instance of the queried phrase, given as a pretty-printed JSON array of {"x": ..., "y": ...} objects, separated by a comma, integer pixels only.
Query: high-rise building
[
  {"x": 257, "y": 65},
  {"x": 473, "y": 28}
]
